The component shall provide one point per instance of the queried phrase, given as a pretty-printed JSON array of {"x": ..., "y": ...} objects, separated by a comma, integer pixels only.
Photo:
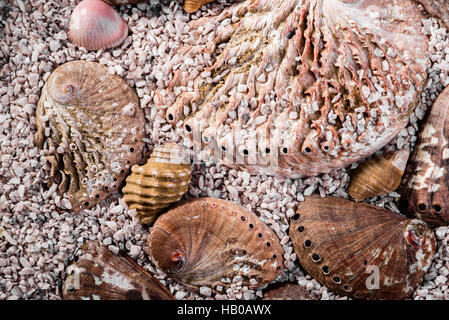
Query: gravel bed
[{"x": 39, "y": 237}]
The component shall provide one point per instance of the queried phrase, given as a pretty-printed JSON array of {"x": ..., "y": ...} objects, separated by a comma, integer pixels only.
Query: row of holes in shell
[
  {"x": 316, "y": 258},
  {"x": 260, "y": 236},
  {"x": 251, "y": 226},
  {"x": 97, "y": 196},
  {"x": 307, "y": 150},
  {"x": 422, "y": 207}
]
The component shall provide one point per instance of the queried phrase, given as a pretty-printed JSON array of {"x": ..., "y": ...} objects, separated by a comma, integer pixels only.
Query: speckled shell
[
  {"x": 194, "y": 5},
  {"x": 208, "y": 242},
  {"x": 99, "y": 274},
  {"x": 378, "y": 175},
  {"x": 299, "y": 87},
  {"x": 91, "y": 127},
  {"x": 348, "y": 246},
  {"x": 96, "y": 25},
  {"x": 425, "y": 188},
  {"x": 162, "y": 181},
  {"x": 287, "y": 291}
]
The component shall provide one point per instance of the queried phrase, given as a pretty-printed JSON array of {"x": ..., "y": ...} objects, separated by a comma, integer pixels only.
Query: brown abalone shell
[
  {"x": 91, "y": 126},
  {"x": 425, "y": 187},
  {"x": 298, "y": 88},
  {"x": 210, "y": 242},
  {"x": 287, "y": 291},
  {"x": 99, "y": 274},
  {"x": 360, "y": 250}
]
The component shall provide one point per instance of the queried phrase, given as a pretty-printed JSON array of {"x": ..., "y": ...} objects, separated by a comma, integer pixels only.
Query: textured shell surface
[
  {"x": 360, "y": 250},
  {"x": 160, "y": 182},
  {"x": 437, "y": 8},
  {"x": 193, "y": 5},
  {"x": 91, "y": 127},
  {"x": 297, "y": 88},
  {"x": 425, "y": 187},
  {"x": 378, "y": 175},
  {"x": 99, "y": 274},
  {"x": 288, "y": 291},
  {"x": 210, "y": 242},
  {"x": 96, "y": 25}
]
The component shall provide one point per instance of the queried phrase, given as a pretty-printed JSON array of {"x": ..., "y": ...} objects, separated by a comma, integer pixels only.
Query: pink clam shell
[{"x": 96, "y": 25}]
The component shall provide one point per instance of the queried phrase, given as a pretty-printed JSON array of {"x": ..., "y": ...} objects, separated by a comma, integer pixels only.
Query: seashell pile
[
  {"x": 209, "y": 242},
  {"x": 99, "y": 274},
  {"x": 360, "y": 250},
  {"x": 284, "y": 88},
  {"x": 425, "y": 189},
  {"x": 95, "y": 25},
  {"x": 162, "y": 181},
  {"x": 311, "y": 85},
  {"x": 91, "y": 126},
  {"x": 379, "y": 175}
]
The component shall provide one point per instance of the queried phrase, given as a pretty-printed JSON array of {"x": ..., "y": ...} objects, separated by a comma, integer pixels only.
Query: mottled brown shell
[
  {"x": 425, "y": 188},
  {"x": 91, "y": 126},
  {"x": 159, "y": 183},
  {"x": 191, "y": 6},
  {"x": 99, "y": 274},
  {"x": 287, "y": 291},
  {"x": 299, "y": 87},
  {"x": 378, "y": 175},
  {"x": 360, "y": 250},
  {"x": 208, "y": 242}
]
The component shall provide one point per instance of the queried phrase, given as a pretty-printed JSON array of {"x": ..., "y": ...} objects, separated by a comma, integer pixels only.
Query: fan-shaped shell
[
  {"x": 360, "y": 250},
  {"x": 162, "y": 181},
  {"x": 194, "y": 5},
  {"x": 299, "y": 87},
  {"x": 425, "y": 188},
  {"x": 91, "y": 127},
  {"x": 378, "y": 175},
  {"x": 100, "y": 274},
  {"x": 210, "y": 242},
  {"x": 96, "y": 25},
  {"x": 287, "y": 291}
]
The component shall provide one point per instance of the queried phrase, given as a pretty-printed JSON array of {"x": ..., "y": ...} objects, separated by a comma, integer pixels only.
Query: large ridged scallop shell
[
  {"x": 287, "y": 291},
  {"x": 378, "y": 175},
  {"x": 99, "y": 274},
  {"x": 360, "y": 250},
  {"x": 194, "y": 5},
  {"x": 299, "y": 87},
  {"x": 425, "y": 187},
  {"x": 208, "y": 242},
  {"x": 91, "y": 126},
  {"x": 96, "y": 25},
  {"x": 160, "y": 182}
]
